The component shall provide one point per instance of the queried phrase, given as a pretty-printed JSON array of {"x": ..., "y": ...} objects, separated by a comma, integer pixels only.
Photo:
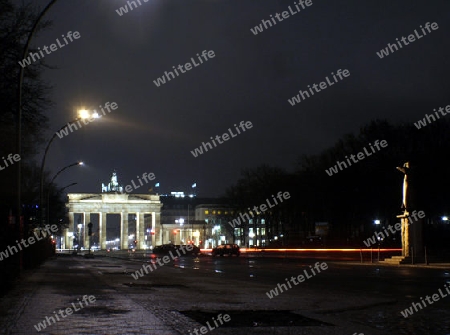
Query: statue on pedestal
[
  {"x": 412, "y": 235},
  {"x": 113, "y": 185},
  {"x": 405, "y": 208},
  {"x": 405, "y": 170}
]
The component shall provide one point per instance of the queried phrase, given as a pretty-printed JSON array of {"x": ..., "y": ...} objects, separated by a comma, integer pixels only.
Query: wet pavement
[{"x": 181, "y": 296}]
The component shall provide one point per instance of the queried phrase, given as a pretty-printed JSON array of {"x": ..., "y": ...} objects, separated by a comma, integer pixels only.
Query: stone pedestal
[{"x": 412, "y": 236}]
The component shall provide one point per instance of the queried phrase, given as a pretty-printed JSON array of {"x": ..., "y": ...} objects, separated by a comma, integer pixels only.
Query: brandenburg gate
[{"x": 112, "y": 201}]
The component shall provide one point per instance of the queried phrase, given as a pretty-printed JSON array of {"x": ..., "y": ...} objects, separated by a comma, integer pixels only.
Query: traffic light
[{"x": 90, "y": 229}]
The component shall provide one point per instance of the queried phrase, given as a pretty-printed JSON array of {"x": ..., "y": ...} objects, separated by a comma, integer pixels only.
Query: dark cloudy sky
[{"x": 155, "y": 128}]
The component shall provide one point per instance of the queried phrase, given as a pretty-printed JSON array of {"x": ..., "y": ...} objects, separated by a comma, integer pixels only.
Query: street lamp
[
  {"x": 48, "y": 192},
  {"x": 64, "y": 168},
  {"x": 82, "y": 115}
]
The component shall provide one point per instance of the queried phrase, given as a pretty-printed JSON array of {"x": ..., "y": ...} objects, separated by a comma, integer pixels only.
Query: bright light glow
[
  {"x": 84, "y": 114},
  {"x": 376, "y": 221},
  {"x": 95, "y": 115},
  {"x": 80, "y": 163},
  {"x": 117, "y": 239},
  {"x": 79, "y": 226},
  {"x": 444, "y": 218},
  {"x": 181, "y": 221}
]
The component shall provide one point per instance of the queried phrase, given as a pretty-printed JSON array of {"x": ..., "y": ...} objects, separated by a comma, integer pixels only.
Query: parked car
[
  {"x": 164, "y": 249},
  {"x": 226, "y": 249}
]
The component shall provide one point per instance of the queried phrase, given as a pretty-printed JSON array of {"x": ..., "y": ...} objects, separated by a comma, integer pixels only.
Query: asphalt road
[
  {"x": 364, "y": 294},
  {"x": 180, "y": 296}
]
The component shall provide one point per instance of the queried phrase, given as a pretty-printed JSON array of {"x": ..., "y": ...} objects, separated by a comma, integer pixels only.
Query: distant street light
[
  {"x": 64, "y": 168},
  {"x": 48, "y": 192},
  {"x": 376, "y": 221}
]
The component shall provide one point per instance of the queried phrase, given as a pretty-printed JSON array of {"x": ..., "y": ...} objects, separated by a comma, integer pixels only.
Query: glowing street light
[
  {"x": 41, "y": 193},
  {"x": 85, "y": 114},
  {"x": 82, "y": 114}
]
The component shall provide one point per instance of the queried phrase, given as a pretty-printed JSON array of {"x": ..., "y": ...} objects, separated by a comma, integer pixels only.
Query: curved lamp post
[
  {"x": 48, "y": 192},
  {"x": 48, "y": 202},
  {"x": 65, "y": 168},
  {"x": 84, "y": 114},
  {"x": 54, "y": 177}
]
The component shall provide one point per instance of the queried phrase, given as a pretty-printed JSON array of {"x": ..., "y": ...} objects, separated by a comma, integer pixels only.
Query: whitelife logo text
[
  {"x": 161, "y": 261},
  {"x": 432, "y": 118},
  {"x": 11, "y": 159},
  {"x": 303, "y": 95},
  {"x": 436, "y": 297},
  {"x": 360, "y": 156},
  {"x": 124, "y": 9},
  {"x": 11, "y": 250},
  {"x": 219, "y": 322},
  {"x": 48, "y": 321},
  {"x": 391, "y": 48},
  {"x": 243, "y": 217},
  {"x": 187, "y": 67},
  {"x": 297, "y": 280},
  {"x": 225, "y": 137},
  {"x": 285, "y": 14},
  {"x": 33, "y": 57}
]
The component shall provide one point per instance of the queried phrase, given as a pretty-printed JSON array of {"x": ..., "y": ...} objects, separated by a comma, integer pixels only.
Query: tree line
[
  {"x": 367, "y": 190},
  {"x": 16, "y": 22}
]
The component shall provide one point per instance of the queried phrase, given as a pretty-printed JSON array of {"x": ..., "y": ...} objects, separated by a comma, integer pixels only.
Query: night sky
[{"x": 154, "y": 130}]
